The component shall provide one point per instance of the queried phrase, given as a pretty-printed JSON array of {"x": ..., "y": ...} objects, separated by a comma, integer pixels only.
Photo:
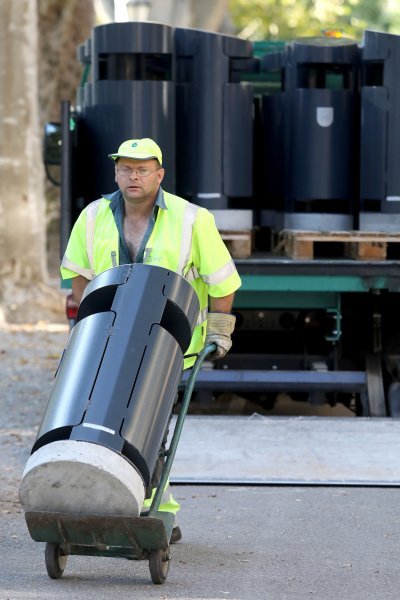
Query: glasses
[{"x": 140, "y": 172}]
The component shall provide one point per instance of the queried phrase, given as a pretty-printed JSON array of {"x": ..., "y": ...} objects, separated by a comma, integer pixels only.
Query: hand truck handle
[{"x": 179, "y": 425}]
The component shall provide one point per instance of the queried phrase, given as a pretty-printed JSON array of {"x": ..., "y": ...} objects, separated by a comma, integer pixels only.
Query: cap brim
[{"x": 137, "y": 157}]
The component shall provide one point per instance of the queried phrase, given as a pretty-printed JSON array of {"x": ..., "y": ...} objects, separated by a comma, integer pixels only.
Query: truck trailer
[{"x": 293, "y": 146}]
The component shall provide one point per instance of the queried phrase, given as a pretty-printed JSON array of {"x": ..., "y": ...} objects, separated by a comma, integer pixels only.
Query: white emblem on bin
[{"x": 324, "y": 116}]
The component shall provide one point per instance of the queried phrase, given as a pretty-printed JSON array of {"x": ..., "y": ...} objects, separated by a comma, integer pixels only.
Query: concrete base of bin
[{"x": 70, "y": 476}]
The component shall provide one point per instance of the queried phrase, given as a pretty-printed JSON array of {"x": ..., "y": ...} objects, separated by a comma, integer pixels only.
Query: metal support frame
[
  {"x": 337, "y": 317},
  {"x": 290, "y": 381}
]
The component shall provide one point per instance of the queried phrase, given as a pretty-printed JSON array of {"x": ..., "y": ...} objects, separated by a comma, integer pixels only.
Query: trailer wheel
[
  {"x": 55, "y": 560},
  {"x": 159, "y": 565},
  {"x": 376, "y": 404}
]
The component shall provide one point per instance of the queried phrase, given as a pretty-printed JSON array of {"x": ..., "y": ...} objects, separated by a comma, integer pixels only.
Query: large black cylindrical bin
[
  {"x": 130, "y": 94},
  {"x": 214, "y": 118},
  {"x": 321, "y": 106},
  {"x": 112, "y": 397},
  {"x": 123, "y": 363}
]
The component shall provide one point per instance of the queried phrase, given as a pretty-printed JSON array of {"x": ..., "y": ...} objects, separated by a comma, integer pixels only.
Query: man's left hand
[{"x": 220, "y": 327}]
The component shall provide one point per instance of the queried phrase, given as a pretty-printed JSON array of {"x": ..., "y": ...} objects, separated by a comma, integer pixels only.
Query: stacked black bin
[
  {"x": 321, "y": 84},
  {"x": 312, "y": 125},
  {"x": 319, "y": 150},
  {"x": 136, "y": 72},
  {"x": 214, "y": 118},
  {"x": 131, "y": 94},
  {"x": 380, "y": 131}
]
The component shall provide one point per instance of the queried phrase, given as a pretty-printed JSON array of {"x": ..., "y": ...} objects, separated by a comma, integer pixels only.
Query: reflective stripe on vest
[
  {"x": 202, "y": 316},
  {"x": 68, "y": 264},
  {"x": 219, "y": 276},
  {"x": 192, "y": 273},
  {"x": 189, "y": 218},
  {"x": 91, "y": 213}
]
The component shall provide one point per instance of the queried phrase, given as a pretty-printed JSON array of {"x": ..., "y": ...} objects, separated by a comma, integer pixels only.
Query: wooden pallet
[
  {"x": 358, "y": 245},
  {"x": 238, "y": 242}
]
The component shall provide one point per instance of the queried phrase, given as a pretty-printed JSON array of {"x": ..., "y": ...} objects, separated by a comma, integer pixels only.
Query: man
[{"x": 143, "y": 223}]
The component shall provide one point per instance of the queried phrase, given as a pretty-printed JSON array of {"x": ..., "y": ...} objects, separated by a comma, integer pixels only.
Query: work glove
[{"x": 220, "y": 327}]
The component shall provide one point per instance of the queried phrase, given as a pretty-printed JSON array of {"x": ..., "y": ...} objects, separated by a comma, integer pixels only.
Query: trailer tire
[{"x": 376, "y": 403}]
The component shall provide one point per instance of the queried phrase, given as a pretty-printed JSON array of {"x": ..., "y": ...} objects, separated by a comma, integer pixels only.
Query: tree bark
[
  {"x": 205, "y": 14},
  {"x": 22, "y": 215},
  {"x": 63, "y": 26},
  {"x": 25, "y": 295}
]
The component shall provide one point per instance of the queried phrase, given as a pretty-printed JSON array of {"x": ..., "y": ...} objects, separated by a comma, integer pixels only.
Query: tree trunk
[
  {"x": 22, "y": 218},
  {"x": 210, "y": 15},
  {"x": 63, "y": 26}
]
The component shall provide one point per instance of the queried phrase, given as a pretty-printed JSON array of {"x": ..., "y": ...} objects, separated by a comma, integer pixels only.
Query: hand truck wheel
[
  {"x": 159, "y": 565},
  {"x": 55, "y": 560}
]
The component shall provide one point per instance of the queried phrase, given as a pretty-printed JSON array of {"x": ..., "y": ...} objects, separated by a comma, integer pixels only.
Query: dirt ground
[
  {"x": 36, "y": 302},
  {"x": 29, "y": 355},
  {"x": 33, "y": 333}
]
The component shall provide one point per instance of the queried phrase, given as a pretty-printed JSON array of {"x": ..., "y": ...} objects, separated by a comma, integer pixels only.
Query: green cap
[{"x": 139, "y": 150}]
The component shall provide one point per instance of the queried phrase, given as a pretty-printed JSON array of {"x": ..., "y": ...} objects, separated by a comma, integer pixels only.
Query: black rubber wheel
[
  {"x": 159, "y": 565},
  {"x": 55, "y": 560}
]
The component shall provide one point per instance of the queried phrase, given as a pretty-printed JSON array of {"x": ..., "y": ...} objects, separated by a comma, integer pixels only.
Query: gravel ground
[{"x": 29, "y": 355}]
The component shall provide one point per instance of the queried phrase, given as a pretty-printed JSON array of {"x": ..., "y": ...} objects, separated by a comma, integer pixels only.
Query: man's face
[{"x": 138, "y": 180}]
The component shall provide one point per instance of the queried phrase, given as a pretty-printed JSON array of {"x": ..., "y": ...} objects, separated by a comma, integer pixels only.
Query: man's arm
[
  {"x": 79, "y": 284},
  {"x": 221, "y": 305}
]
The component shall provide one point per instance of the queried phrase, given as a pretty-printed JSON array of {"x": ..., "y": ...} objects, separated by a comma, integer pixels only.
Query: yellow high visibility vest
[{"x": 184, "y": 239}]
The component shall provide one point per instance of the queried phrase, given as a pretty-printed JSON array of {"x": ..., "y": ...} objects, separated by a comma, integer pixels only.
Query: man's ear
[{"x": 160, "y": 175}]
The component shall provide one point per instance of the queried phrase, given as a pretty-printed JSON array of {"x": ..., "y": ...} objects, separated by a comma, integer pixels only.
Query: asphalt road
[{"x": 239, "y": 543}]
